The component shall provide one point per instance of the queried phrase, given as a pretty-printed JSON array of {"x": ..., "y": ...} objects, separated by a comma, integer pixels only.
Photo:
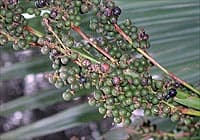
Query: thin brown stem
[
  {"x": 85, "y": 37},
  {"x": 170, "y": 74},
  {"x": 10, "y": 38}
]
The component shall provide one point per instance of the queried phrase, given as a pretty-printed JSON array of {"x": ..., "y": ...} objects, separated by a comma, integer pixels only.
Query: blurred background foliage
[{"x": 33, "y": 109}]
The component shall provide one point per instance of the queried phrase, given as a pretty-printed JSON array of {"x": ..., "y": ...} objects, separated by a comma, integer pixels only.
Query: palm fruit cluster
[{"x": 119, "y": 75}]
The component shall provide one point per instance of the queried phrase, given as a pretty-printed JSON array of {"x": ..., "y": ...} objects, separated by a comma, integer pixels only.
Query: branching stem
[
  {"x": 84, "y": 36},
  {"x": 173, "y": 76},
  {"x": 183, "y": 110},
  {"x": 65, "y": 48}
]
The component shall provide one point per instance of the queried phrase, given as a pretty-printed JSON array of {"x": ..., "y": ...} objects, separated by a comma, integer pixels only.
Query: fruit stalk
[
  {"x": 84, "y": 36},
  {"x": 173, "y": 76}
]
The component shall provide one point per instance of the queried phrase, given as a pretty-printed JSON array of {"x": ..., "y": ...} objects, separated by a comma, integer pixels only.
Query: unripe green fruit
[
  {"x": 45, "y": 50},
  {"x": 59, "y": 84},
  {"x": 136, "y": 82},
  {"x": 187, "y": 121},
  {"x": 144, "y": 92},
  {"x": 166, "y": 109},
  {"x": 155, "y": 110},
  {"x": 30, "y": 11},
  {"x": 70, "y": 79},
  {"x": 121, "y": 97},
  {"x": 52, "y": 80},
  {"x": 63, "y": 76},
  {"x": 114, "y": 92},
  {"x": 46, "y": 15},
  {"x": 106, "y": 90},
  {"x": 175, "y": 117},
  {"x": 16, "y": 18},
  {"x": 91, "y": 101},
  {"x": 102, "y": 110},
  {"x": 122, "y": 112},
  {"x": 55, "y": 66},
  {"x": 155, "y": 101},
  {"x": 117, "y": 120},
  {"x": 127, "y": 121},
  {"x": 75, "y": 86},
  {"x": 115, "y": 113},
  {"x": 128, "y": 93},
  {"x": 158, "y": 84},
  {"x": 87, "y": 85},
  {"x": 129, "y": 101},
  {"x": 84, "y": 8},
  {"x": 132, "y": 107},
  {"x": 67, "y": 96},
  {"x": 97, "y": 95},
  {"x": 9, "y": 15},
  {"x": 78, "y": 3},
  {"x": 109, "y": 101},
  {"x": 147, "y": 112},
  {"x": 64, "y": 60}
]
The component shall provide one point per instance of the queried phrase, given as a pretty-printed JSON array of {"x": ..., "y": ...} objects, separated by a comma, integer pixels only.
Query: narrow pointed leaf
[{"x": 58, "y": 122}]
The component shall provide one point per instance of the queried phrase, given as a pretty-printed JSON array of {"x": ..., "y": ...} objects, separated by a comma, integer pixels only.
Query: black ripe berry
[
  {"x": 108, "y": 12},
  {"x": 116, "y": 11},
  {"x": 115, "y": 81},
  {"x": 82, "y": 79},
  {"x": 171, "y": 93},
  {"x": 12, "y": 1},
  {"x": 40, "y": 3},
  {"x": 53, "y": 14}
]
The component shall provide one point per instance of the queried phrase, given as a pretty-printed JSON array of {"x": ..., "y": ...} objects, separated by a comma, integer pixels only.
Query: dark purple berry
[
  {"x": 12, "y": 1},
  {"x": 116, "y": 11},
  {"x": 145, "y": 37},
  {"x": 104, "y": 67},
  {"x": 40, "y": 3},
  {"x": 108, "y": 12},
  {"x": 53, "y": 14},
  {"x": 82, "y": 80},
  {"x": 115, "y": 81},
  {"x": 176, "y": 85},
  {"x": 171, "y": 93}
]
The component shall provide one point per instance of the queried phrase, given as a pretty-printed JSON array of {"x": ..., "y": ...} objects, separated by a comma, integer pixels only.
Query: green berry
[
  {"x": 45, "y": 50},
  {"x": 159, "y": 84},
  {"x": 91, "y": 101},
  {"x": 64, "y": 60},
  {"x": 67, "y": 96},
  {"x": 115, "y": 113},
  {"x": 117, "y": 120},
  {"x": 30, "y": 11},
  {"x": 147, "y": 112},
  {"x": 97, "y": 95},
  {"x": 70, "y": 79},
  {"x": 136, "y": 82},
  {"x": 127, "y": 121},
  {"x": 84, "y": 8},
  {"x": 102, "y": 110},
  {"x": 106, "y": 90},
  {"x": 166, "y": 109},
  {"x": 55, "y": 66},
  {"x": 128, "y": 93},
  {"x": 59, "y": 84},
  {"x": 155, "y": 101},
  {"x": 155, "y": 110},
  {"x": 129, "y": 101},
  {"x": 175, "y": 117},
  {"x": 187, "y": 121},
  {"x": 9, "y": 15},
  {"x": 122, "y": 112},
  {"x": 63, "y": 76}
]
